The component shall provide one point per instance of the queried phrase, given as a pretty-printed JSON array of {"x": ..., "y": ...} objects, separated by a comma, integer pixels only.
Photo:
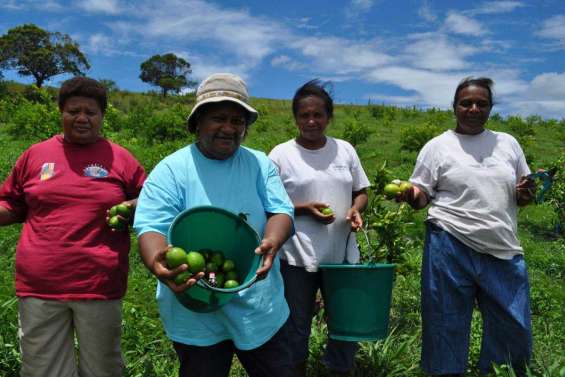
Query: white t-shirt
[
  {"x": 328, "y": 175},
  {"x": 471, "y": 180}
]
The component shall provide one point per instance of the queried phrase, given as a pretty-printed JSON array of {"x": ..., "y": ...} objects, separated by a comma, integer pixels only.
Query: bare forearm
[
  {"x": 150, "y": 244},
  {"x": 360, "y": 200},
  {"x": 278, "y": 228},
  {"x": 8, "y": 217},
  {"x": 302, "y": 209}
]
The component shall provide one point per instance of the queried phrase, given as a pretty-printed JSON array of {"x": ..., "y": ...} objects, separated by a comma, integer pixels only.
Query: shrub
[
  {"x": 114, "y": 119},
  {"x": 355, "y": 132},
  {"x": 33, "y": 121},
  {"x": 415, "y": 137},
  {"x": 524, "y": 133},
  {"x": 556, "y": 196}
]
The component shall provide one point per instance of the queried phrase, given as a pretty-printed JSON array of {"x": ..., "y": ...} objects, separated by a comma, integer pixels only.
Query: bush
[
  {"x": 556, "y": 196},
  {"x": 114, "y": 119},
  {"x": 355, "y": 132},
  {"x": 33, "y": 121},
  {"x": 415, "y": 137}
]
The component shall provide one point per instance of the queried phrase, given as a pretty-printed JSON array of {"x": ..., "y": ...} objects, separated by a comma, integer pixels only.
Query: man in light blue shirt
[{"x": 217, "y": 171}]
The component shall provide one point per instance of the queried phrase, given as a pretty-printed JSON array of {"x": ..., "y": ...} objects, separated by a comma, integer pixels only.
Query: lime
[
  {"x": 217, "y": 258},
  {"x": 231, "y": 275},
  {"x": 114, "y": 222},
  {"x": 220, "y": 279},
  {"x": 211, "y": 267},
  {"x": 113, "y": 211},
  {"x": 196, "y": 262},
  {"x": 405, "y": 186},
  {"x": 182, "y": 277},
  {"x": 391, "y": 190},
  {"x": 228, "y": 265},
  {"x": 123, "y": 210},
  {"x": 175, "y": 257},
  {"x": 231, "y": 284},
  {"x": 327, "y": 211}
]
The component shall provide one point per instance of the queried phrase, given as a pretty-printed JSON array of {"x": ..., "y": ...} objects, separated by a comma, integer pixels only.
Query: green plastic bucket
[
  {"x": 216, "y": 229},
  {"x": 357, "y": 300}
]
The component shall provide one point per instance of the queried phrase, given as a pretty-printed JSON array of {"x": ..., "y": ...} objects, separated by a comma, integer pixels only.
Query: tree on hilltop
[
  {"x": 40, "y": 53},
  {"x": 168, "y": 71}
]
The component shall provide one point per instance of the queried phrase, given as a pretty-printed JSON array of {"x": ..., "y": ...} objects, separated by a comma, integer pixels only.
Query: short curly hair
[{"x": 81, "y": 86}]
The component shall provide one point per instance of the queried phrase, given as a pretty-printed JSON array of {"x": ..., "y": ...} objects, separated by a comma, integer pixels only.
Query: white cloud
[
  {"x": 394, "y": 100},
  {"x": 554, "y": 28},
  {"x": 434, "y": 88},
  {"x": 549, "y": 86},
  {"x": 493, "y": 7},
  {"x": 426, "y": 12},
  {"x": 46, "y": 5},
  {"x": 460, "y": 24},
  {"x": 357, "y": 8},
  {"x": 204, "y": 66},
  {"x": 231, "y": 31},
  {"x": 435, "y": 52},
  {"x": 101, "y": 44},
  {"x": 12, "y": 5},
  {"x": 361, "y": 5},
  {"x": 287, "y": 62},
  {"x": 544, "y": 95},
  {"x": 100, "y": 6},
  {"x": 340, "y": 56}
]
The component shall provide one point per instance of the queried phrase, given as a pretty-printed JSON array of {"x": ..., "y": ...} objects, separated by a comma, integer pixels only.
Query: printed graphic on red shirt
[
  {"x": 95, "y": 171},
  {"x": 47, "y": 171}
]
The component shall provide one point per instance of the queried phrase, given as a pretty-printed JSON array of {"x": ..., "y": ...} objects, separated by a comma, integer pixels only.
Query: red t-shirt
[{"x": 61, "y": 191}]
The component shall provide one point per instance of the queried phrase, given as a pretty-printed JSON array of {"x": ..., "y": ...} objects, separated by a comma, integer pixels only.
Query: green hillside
[{"x": 151, "y": 127}]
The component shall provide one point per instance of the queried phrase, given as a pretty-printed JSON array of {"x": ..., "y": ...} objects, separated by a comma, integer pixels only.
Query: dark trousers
[
  {"x": 271, "y": 359},
  {"x": 300, "y": 288}
]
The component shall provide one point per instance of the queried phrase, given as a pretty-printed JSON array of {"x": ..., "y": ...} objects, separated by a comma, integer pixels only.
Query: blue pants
[
  {"x": 300, "y": 288},
  {"x": 453, "y": 277}
]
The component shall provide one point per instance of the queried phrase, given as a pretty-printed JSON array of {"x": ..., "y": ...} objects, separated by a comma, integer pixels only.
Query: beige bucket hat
[{"x": 222, "y": 87}]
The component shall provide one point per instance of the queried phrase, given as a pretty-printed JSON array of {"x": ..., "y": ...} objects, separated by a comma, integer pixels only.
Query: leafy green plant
[
  {"x": 413, "y": 138},
  {"x": 35, "y": 121},
  {"x": 386, "y": 224},
  {"x": 556, "y": 196},
  {"x": 355, "y": 132}
]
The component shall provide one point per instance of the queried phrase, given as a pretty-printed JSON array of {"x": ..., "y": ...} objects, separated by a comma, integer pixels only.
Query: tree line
[{"x": 33, "y": 51}]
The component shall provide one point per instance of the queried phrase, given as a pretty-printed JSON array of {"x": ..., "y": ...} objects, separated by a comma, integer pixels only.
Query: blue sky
[{"x": 404, "y": 52}]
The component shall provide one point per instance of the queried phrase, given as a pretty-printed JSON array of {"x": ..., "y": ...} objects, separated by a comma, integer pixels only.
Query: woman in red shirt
[{"x": 71, "y": 267}]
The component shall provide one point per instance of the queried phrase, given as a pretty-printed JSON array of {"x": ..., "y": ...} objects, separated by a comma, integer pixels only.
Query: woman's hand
[
  {"x": 166, "y": 276},
  {"x": 277, "y": 231},
  {"x": 355, "y": 218},
  {"x": 268, "y": 249},
  {"x": 125, "y": 222},
  {"x": 153, "y": 250},
  {"x": 315, "y": 208},
  {"x": 525, "y": 191},
  {"x": 414, "y": 196}
]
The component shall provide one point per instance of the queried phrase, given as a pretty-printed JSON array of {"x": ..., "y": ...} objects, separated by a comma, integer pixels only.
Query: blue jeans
[
  {"x": 453, "y": 277},
  {"x": 271, "y": 359},
  {"x": 300, "y": 288}
]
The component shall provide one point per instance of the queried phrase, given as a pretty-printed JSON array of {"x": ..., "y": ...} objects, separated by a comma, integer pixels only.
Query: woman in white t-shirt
[
  {"x": 318, "y": 171},
  {"x": 474, "y": 180}
]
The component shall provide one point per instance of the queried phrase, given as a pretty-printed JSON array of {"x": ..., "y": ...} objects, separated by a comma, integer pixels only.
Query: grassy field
[{"x": 151, "y": 129}]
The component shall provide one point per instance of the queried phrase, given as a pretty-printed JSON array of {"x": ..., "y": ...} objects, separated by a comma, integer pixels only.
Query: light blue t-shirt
[{"x": 246, "y": 182}]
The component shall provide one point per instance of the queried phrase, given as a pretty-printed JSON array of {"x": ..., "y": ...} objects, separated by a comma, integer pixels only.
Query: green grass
[{"x": 149, "y": 353}]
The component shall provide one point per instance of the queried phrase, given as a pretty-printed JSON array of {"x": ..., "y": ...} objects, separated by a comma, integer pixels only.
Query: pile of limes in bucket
[
  {"x": 219, "y": 271},
  {"x": 119, "y": 216}
]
